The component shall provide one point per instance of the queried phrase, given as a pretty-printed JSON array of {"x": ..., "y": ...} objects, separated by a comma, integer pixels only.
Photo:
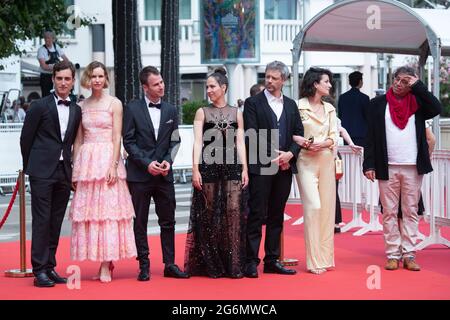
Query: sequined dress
[
  {"x": 215, "y": 244},
  {"x": 101, "y": 214}
]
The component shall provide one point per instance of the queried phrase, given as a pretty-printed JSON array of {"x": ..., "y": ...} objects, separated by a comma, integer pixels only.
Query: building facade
[{"x": 279, "y": 22}]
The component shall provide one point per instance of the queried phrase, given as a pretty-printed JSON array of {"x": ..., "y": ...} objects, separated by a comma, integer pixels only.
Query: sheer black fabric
[{"x": 215, "y": 244}]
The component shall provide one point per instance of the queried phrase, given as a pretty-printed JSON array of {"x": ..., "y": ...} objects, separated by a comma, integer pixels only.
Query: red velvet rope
[{"x": 13, "y": 198}]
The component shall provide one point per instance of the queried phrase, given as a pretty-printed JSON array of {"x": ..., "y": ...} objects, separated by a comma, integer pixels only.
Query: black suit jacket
[
  {"x": 352, "y": 110},
  {"x": 375, "y": 151},
  {"x": 257, "y": 116},
  {"x": 141, "y": 144},
  {"x": 40, "y": 140}
]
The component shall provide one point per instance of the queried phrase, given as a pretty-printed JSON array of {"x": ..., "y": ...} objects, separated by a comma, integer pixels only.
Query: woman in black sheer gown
[{"x": 215, "y": 244}]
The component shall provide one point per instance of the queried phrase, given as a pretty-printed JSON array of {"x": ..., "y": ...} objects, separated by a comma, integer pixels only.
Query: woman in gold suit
[{"x": 316, "y": 169}]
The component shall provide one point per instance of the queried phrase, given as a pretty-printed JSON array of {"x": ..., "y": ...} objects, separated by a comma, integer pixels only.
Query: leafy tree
[
  {"x": 190, "y": 108},
  {"x": 27, "y": 19}
]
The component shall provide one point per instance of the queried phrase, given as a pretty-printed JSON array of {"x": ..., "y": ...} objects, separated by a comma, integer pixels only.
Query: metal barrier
[
  {"x": 182, "y": 165},
  {"x": 435, "y": 191},
  {"x": 8, "y": 181},
  {"x": 360, "y": 195}
]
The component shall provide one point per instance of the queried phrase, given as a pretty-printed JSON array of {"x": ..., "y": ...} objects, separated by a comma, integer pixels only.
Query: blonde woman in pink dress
[{"x": 101, "y": 210}]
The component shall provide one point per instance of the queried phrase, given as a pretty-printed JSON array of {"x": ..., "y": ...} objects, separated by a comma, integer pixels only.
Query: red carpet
[{"x": 353, "y": 255}]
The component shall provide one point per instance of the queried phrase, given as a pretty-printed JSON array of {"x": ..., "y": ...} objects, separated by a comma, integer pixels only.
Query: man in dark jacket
[
  {"x": 46, "y": 143},
  {"x": 352, "y": 109},
  {"x": 270, "y": 120},
  {"x": 151, "y": 139},
  {"x": 396, "y": 154}
]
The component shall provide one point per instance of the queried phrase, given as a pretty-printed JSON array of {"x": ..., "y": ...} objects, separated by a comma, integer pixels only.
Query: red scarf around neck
[{"x": 401, "y": 109}]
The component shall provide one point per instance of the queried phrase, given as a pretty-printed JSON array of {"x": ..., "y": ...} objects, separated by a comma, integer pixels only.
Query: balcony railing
[
  {"x": 151, "y": 31},
  {"x": 281, "y": 30}
]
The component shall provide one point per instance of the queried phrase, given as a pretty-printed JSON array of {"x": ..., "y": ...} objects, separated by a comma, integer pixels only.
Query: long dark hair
[{"x": 312, "y": 76}]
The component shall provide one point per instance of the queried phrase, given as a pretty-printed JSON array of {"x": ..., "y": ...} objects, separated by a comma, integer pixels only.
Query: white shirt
[
  {"x": 63, "y": 116},
  {"x": 42, "y": 53},
  {"x": 401, "y": 144},
  {"x": 155, "y": 115},
  {"x": 275, "y": 103}
]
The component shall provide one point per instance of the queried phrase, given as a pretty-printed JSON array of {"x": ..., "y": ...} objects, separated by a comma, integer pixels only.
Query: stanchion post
[
  {"x": 23, "y": 271},
  {"x": 285, "y": 261}
]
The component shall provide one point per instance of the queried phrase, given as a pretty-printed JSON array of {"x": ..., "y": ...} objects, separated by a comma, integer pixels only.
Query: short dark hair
[
  {"x": 148, "y": 70},
  {"x": 63, "y": 65},
  {"x": 220, "y": 75},
  {"x": 355, "y": 78},
  {"x": 405, "y": 70},
  {"x": 312, "y": 76},
  {"x": 255, "y": 89}
]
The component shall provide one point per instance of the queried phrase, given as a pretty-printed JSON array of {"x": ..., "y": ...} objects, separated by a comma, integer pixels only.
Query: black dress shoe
[
  {"x": 144, "y": 275},
  {"x": 41, "y": 280},
  {"x": 251, "y": 271},
  {"x": 239, "y": 275},
  {"x": 172, "y": 271},
  {"x": 56, "y": 278},
  {"x": 277, "y": 267}
]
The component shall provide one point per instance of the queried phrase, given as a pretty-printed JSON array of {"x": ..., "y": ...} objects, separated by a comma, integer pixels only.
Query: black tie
[
  {"x": 154, "y": 105},
  {"x": 64, "y": 102}
]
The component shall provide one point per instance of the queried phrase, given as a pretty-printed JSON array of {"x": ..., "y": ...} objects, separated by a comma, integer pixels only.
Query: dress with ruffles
[{"x": 101, "y": 214}]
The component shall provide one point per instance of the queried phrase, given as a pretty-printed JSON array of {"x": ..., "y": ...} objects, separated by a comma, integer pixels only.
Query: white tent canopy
[{"x": 376, "y": 26}]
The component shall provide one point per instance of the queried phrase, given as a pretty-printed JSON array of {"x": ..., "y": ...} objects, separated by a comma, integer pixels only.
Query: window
[
  {"x": 185, "y": 9},
  {"x": 280, "y": 9},
  {"x": 152, "y": 9}
]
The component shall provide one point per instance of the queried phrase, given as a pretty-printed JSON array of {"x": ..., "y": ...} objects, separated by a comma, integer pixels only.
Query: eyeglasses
[{"x": 401, "y": 81}]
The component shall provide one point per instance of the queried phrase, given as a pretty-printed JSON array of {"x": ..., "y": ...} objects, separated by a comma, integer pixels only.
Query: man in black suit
[
  {"x": 352, "y": 109},
  {"x": 270, "y": 120},
  {"x": 151, "y": 139},
  {"x": 48, "y": 133},
  {"x": 397, "y": 155}
]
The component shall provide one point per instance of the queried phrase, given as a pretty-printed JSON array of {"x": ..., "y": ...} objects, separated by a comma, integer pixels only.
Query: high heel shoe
[
  {"x": 106, "y": 276},
  {"x": 318, "y": 271}
]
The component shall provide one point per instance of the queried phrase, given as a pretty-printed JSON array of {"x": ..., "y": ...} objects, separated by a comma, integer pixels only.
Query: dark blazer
[
  {"x": 141, "y": 144},
  {"x": 258, "y": 116},
  {"x": 375, "y": 152},
  {"x": 352, "y": 108},
  {"x": 40, "y": 140}
]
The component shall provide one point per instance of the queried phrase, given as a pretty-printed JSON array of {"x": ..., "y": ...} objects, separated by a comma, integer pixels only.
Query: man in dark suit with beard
[
  {"x": 46, "y": 141},
  {"x": 151, "y": 139},
  {"x": 270, "y": 119}
]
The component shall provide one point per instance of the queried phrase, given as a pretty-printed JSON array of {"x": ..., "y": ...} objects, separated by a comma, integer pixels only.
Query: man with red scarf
[{"x": 396, "y": 154}]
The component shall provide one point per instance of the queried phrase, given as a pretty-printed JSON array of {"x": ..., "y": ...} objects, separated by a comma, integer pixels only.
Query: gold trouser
[{"x": 317, "y": 184}]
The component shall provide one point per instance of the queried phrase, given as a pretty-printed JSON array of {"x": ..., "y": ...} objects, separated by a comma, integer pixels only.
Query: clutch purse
[{"x": 339, "y": 168}]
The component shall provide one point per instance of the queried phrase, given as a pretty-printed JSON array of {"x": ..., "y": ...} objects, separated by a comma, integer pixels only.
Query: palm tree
[
  {"x": 170, "y": 63},
  {"x": 127, "y": 50}
]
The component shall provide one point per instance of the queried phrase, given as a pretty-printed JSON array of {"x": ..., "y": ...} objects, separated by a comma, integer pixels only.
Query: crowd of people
[{"x": 243, "y": 165}]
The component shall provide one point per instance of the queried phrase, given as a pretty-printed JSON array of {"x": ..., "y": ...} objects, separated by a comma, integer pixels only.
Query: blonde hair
[{"x": 87, "y": 74}]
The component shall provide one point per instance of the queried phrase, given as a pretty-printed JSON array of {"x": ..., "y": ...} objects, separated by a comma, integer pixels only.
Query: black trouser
[
  {"x": 163, "y": 194},
  {"x": 268, "y": 194},
  {"x": 46, "y": 83},
  {"x": 49, "y": 198}
]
